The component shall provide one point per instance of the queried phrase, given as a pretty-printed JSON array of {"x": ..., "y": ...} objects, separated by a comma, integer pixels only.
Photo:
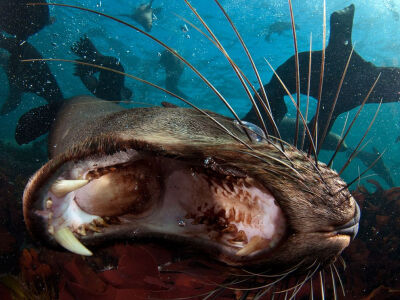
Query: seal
[
  {"x": 158, "y": 160},
  {"x": 359, "y": 78},
  {"x": 143, "y": 14},
  {"x": 192, "y": 177}
]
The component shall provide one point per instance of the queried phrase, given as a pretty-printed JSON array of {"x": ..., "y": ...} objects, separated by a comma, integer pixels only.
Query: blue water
[{"x": 375, "y": 33}]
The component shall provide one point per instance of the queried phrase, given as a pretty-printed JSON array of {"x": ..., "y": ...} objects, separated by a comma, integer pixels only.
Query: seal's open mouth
[{"x": 133, "y": 191}]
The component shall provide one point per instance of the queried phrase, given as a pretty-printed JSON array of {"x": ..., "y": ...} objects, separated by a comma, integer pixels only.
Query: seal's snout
[{"x": 351, "y": 227}]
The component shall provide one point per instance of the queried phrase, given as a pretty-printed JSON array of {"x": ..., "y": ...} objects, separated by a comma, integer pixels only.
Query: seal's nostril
[{"x": 351, "y": 227}]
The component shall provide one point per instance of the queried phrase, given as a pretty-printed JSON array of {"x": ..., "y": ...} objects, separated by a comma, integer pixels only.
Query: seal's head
[{"x": 172, "y": 173}]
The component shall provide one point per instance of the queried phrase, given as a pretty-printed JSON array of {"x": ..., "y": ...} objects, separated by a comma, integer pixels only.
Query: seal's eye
[{"x": 256, "y": 133}]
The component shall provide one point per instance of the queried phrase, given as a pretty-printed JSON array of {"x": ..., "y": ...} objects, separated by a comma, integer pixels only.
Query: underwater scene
[{"x": 199, "y": 149}]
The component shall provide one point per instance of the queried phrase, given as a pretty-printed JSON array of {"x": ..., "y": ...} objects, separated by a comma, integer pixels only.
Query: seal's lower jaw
[{"x": 131, "y": 194}]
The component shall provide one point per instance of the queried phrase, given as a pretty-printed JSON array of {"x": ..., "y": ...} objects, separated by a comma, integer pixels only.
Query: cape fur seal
[
  {"x": 359, "y": 78},
  {"x": 177, "y": 174},
  {"x": 143, "y": 14}
]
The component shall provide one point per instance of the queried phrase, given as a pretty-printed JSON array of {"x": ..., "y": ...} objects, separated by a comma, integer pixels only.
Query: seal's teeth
[
  {"x": 66, "y": 238},
  {"x": 256, "y": 243},
  {"x": 62, "y": 187}
]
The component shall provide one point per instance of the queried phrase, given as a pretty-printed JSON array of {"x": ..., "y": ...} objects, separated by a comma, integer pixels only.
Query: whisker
[
  {"x": 214, "y": 294},
  {"x": 292, "y": 269},
  {"x": 311, "y": 290},
  {"x": 257, "y": 287},
  {"x": 354, "y": 119},
  {"x": 308, "y": 91},
  {"x": 270, "y": 284},
  {"x": 359, "y": 177},
  {"x": 271, "y": 143},
  {"x": 244, "y": 296},
  {"x": 355, "y": 153},
  {"x": 306, "y": 278},
  {"x": 261, "y": 293},
  {"x": 297, "y": 108},
  {"x": 321, "y": 281},
  {"x": 222, "y": 49},
  {"x": 274, "y": 159},
  {"x": 340, "y": 280},
  {"x": 186, "y": 62},
  {"x": 344, "y": 125},
  {"x": 148, "y": 83},
  {"x": 296, "y": 63},
  {"x": 341, "y": 134},
  {"x": 298, "y": 289},
  {"x": 321, "y": 79},
  {"x": 343, "y": 262},
  {"x": 267, "y": 108},
  {"x": 333, "y": 283},
  {"x": 365, "y": 171},
  {"x": 327, "y": 126}
]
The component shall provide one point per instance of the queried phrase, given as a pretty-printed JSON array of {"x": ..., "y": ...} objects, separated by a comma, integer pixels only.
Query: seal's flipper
[
  {"x": 85, "y": 49},
  {"x": 35, "y": 123},
  {"x": 341, "y": 27}
]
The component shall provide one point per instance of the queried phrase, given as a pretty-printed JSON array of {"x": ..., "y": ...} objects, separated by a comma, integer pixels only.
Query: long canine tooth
[
  {"x": 66, "y": 238},
  {"x": 62, "y": 187},
  {"x": 256, "y": 243}
]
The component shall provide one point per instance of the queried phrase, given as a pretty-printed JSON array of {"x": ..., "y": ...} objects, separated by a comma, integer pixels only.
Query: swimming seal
[
  {"x": 143, "y": 14},
  {"x": 359, "y": 78}
]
